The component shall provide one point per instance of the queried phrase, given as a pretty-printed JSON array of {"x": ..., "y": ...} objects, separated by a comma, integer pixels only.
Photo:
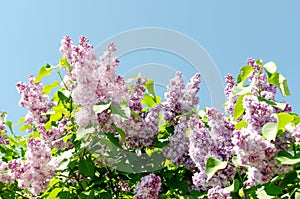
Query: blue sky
[{"x": 230, "y": 31}]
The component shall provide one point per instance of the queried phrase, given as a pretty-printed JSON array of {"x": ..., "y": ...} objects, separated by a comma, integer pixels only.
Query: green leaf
[
  {"x": 100, "y": 108},
  {"x": 234, "y": 187},
  {"x": 122, "y": 111},
  {"x": 270, "y": 67},
  {"x": 54, "y": 181},
  {"x": 63, "y": 62},
  {"x": 87, "y": 168},
  {"x": 280, "y": 81},
  {"x": 150, "y": 86},
  {"x": 213, "y": 165},
  {"x": 261, "y": 194},
  {"x": 279, "y": 105},
  {"x": 44, "y": 71},
  {"x": 272, "y": 189},
  {"x": 121, "y": 132},
  {"x": 289, "y": 178},
  {"x": 238, "y": 108},
  {"x": 286, "y": 158},
  {"x": 54, "y": 193},
  {"x": 63, "y": 95},
  {"x": 244, "y": 73},
  {"x": 48, "y": 88},
  {"x": 241, "y": 124},
  {"x": 113, "y": 139},
  {"x": 148, "y": 100},
  {"x": 84, "y": 131},
  {"x": 269, "y": 130},
  {"x": 284, "y": 119}
]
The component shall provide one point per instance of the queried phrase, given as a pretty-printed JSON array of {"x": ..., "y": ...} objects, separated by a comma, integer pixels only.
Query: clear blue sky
[{"x": 230, "y": 31}]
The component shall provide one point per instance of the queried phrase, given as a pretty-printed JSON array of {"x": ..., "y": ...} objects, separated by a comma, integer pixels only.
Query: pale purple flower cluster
[
  {"x": 228, "y": 91},
  {"x": 148, "y": 187},
  {"x": 296, "y": 133},
  {"x": 53, "y": 135},
  {"x": 178, "y": 150},
  {"x": 5, "y": 174},
  {"x": 256, "y": 153},
  {"x": 215, "y": 141},
  {"x": 218, "y": 193},
  {"x": 181, "y": 98},
  {"x": 92, "y": 81},
  {"x": 38, "y": 170},
  {"x": 3, "y": 137},
  {"x": 262, "y": 86},
  {"x": 141, "y": 132},
  {"x": 35, "y": 100},
  {"x": 257, "y": 113}
]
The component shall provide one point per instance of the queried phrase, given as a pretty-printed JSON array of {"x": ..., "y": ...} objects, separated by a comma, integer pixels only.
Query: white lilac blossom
[
  {"x": 218, "y": 193},
  {"x": 38, "y": 170},
  {"x": 148, "y": 187},
  {"x": 181, "y": 98},
  {"x": 178, "y": 149},
  {"x": 215, "y": 141},
  {"x": 35, "y": 100}
]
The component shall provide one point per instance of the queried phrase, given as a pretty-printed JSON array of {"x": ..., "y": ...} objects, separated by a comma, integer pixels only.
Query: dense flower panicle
[
  {"x": 258, "y": 154},
  {"x": 141, "y": 132},
  {"x": 178, "y": 150},
  {"x": 228, "y": 91},
  {"x": 53, "y": 135},
  {"x": 3, "y": 137},
  {"x": 35, "y": 100},
  {"x": 181, "y": 98},
  {"x": 38, "y": 170},
  {"x": 148, "y": 187},
  {"x": 5, "y": 175},
  {"x": 296, "y": 133},
  {"x": 257, "y": 113},
  {"x": 215, "y": 142},
  {"x": 92, "y": 81},
  {"x": 218, "y": 193}
]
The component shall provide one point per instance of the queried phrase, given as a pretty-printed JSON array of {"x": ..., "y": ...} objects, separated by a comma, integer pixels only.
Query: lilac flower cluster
[
  {"x": 53, "y": 135},
  {"x": 181, "y": 98},
  {"x": 37, "y": 171},
  {"x": 3, "y": 137},
  {"x": 257, "y": 113},
  {"x": 141, "y": 132},
  {"x": 5, "y": 174},
  {"x": 92, "y": 81},
  {"x": 256, "y": 153},
  {"x": 35, "y": 100},
  {"x": 178, "y": 150},
  {"x": 148, "y": 187},
  {"x": 218, "y": 193},
  {"x": 215, "y": 141}
]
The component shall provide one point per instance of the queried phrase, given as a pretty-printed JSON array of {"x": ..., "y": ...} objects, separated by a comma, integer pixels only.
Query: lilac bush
[{"x": 95, "y": 135}]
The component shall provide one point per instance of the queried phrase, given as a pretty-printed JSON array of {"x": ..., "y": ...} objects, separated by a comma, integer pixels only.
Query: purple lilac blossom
[
  {"x": 38, "y": 170},
  {"x": 35, "y": 100},
  {"x": 178, "y": 149},
  {"x": 181, "y": 98},
  {"x": 218, "y": 193},
  {"x": 148, "y": 187},
  {"x": 214, "y": 141}
]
